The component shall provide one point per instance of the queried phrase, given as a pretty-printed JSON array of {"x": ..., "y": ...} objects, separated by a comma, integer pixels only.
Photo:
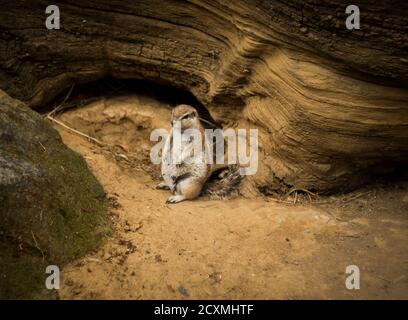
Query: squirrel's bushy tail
[{"x": 224, "y": 185}]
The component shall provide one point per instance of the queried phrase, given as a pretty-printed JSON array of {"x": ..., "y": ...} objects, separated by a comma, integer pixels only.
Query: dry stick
[
  {"x": 42, "y": 146},
  {"x": 300, "y": 189},
  {"x": 208, "y": 122},
  {"x": 309, "y": 193},
  {"x": 354, "y": 197},
  {"x": 61, "y": 104},
  {"x": 98, "y": 142},
  {"x": 383, "y": 279},
  {"x": 279, "y": 200},
  {"x": 36, "y": 245}
]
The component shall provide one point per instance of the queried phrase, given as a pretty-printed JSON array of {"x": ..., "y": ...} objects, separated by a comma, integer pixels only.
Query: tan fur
[{"x": 185, "y": 180}]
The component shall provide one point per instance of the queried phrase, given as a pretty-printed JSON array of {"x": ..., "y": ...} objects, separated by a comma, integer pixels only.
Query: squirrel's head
[{"x": 187, "y": 115}]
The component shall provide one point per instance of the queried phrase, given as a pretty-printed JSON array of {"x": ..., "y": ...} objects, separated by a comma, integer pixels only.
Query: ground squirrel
[{"x": 187, "y": 178}]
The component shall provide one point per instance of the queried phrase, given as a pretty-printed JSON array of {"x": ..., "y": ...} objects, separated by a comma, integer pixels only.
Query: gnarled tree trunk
[{"x": 331, "y": 104}]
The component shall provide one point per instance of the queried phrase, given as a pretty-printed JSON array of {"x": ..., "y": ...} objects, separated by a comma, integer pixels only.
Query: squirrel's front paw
[
  {"x": 162, "y": 185},
  {"x": 175, "y": 199}
]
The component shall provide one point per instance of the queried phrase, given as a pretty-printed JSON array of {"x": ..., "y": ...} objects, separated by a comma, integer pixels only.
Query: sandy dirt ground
[{"x": 240, "y": 248}]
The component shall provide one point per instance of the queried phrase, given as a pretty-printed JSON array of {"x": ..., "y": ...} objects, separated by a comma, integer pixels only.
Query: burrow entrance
[{"x": 119, "y": 116}]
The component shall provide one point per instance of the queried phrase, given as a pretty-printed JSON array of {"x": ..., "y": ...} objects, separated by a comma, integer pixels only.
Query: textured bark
[{"x": 331, "y": 104}]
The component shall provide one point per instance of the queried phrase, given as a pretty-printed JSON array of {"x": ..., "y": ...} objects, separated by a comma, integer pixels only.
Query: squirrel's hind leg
[
  {"x": 187, "y": 189},
  {"x": 176, "y": 198}
]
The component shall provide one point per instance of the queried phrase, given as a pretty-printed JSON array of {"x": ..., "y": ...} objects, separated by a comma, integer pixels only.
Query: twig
[
  {"x": 208, "y": 122},
  {"x": 36, "y": 245},
  {"x": 296, "y": 194},
  {"x": 61, "y": 104},
  {"x": 279, "y": 200},
  {"x": 300, "y": 189},
  {"x": 383, "y": 279},
  {"x": 93, "y": 259},
  {"x": 356, "y": 196},
  {"x": 98, "y": 142},
  {"x": 42, "y": 146},
  {"x": 92, "y": 139}
]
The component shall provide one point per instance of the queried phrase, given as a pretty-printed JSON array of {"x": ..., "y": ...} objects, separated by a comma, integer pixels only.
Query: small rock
[
  {"x": 69, "y": 283},
  {"x": 77, "y": 291},
  {"x": 183, "y": 291}
]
